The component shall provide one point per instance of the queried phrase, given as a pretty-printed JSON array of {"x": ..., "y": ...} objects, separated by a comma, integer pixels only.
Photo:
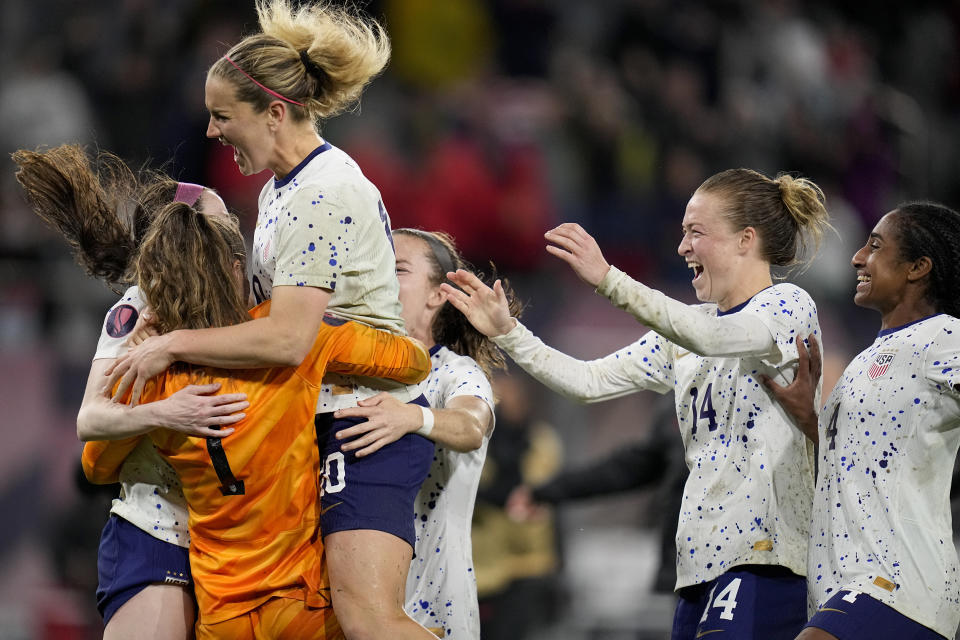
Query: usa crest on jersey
[{"x": 879, "y": 365}]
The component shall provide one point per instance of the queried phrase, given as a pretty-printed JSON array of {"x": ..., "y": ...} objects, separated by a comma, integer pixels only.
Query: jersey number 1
[{"x": 229, "y": 485}]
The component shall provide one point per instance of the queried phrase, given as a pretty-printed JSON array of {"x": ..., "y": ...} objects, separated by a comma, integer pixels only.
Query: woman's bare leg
[
  {"x": 159, "y": 612},
  {"x": 368, "y": 578}
]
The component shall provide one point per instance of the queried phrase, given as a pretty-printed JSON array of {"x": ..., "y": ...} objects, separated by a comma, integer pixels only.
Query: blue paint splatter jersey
[
  {"x": 151, "y": 497},
  {"x": 441, "y": 585},
  {"x": 889, "y": 434},
  {"x": 747, "y": 499},
  {"x": 324, "y": 225}
]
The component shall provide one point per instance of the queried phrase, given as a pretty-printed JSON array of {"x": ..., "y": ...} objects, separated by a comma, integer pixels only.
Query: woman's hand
[
  {"x": 485, "y": 308},
  {"x": 139, "y": 364},
  {"x": 521, "y": 507},
  {"x": 388, "y": 420},
  {"x": 195, "y": 410},
  {"x": 798, "y": 397},
  {"x": 578, "y": 249},
  {"x": 144, "y": 328}
]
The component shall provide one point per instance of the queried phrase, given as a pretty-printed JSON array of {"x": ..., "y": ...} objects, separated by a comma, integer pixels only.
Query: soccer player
[
  {"x": 743, "y": 529},
  {"x": 102, "y": 209},
  {"x": 882, "y": 563},
  {"x": 253, "y": 501},
  {"x": 322, "y": 245},
  {"x": 441, "y": 591}
]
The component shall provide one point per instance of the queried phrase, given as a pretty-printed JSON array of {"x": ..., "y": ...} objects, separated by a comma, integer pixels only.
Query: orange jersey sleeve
[
  {"x": 361, "y": 350},
  {"x": 365, "y": 351},
  {"x": 102, "y": 459}
]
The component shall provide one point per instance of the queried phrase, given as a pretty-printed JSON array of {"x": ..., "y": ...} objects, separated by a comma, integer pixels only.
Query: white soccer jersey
[
  {"x": 441, "y": 585},
  {"x": 889, "y": 435},
  {"x": 748, "y": 496},
  {"x": 324, "y": 225},
  {"x": 151, "y": 497}
]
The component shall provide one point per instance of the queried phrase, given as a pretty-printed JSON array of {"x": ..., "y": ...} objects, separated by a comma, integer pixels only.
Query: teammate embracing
[
  {"x": 103, "y": 209},
  {"x": 322, "y": 245}
]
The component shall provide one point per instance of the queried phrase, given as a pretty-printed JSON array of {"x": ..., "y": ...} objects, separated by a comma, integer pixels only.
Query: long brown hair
[
  {"x": 450, "y": 327},
  {"x": 100, "y": 206},
  {"x": 185, "y": 269}
]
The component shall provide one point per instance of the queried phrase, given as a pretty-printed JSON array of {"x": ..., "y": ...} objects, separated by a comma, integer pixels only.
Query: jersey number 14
[{"x": 707, "y": 412}]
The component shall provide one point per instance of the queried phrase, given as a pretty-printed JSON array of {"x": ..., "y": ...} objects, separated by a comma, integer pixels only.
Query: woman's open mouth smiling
[{"x": 697, "y": 269}]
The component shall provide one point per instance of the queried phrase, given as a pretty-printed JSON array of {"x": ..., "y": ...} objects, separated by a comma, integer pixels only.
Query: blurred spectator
[
  {"x": 516, "y": 562},
  {"x": 655, "y": 462}
]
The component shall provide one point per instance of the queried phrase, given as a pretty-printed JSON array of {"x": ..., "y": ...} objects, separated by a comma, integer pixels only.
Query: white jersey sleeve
[
  {"x": 441, "y": 587},
  {"x": 942, "y": 362},
  {"x": 685, "y": 325},
  {"x": 645, "y": 364},
  {"x": 324, "y": 225},
  {"x": 455, "y": 375},
  {"x": 119, "y": 323},
  {"x": 310, "y": 242}
]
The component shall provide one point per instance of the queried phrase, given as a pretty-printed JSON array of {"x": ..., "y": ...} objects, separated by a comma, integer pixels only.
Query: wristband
[{"x": 427, "y": 423}]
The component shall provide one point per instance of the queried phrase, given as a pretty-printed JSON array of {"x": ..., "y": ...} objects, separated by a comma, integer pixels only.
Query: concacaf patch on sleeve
[
  {"x": 121, "y": 321},
  {"x": 879, "y": 365}
]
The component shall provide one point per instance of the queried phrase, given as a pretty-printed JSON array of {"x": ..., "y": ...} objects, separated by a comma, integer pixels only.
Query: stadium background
[{"x": 495, "y": 120}]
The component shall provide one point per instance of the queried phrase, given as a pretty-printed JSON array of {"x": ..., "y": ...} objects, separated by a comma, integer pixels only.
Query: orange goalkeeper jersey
[{"x": 253, "y": 496}]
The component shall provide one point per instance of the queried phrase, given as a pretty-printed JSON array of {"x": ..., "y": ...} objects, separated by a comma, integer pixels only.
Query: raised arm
[
  {"x": 642, "y": 365},
  {"x": 682, "y": 324},
  {"x": 738, "y": 334}
]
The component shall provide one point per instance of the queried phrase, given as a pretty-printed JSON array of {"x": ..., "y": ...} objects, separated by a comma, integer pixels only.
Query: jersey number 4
[
  {"x": 832, "y": 428},
  {"x": 707, "y": 412}
]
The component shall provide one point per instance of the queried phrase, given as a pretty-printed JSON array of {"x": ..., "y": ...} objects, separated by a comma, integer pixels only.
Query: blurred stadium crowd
[{"x": 496, "y": 120}]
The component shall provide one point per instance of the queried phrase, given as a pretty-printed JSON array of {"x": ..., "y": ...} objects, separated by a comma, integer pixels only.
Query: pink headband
[
  {"x": 270, "y": 91},
  {"x": 188, "y": 193}
]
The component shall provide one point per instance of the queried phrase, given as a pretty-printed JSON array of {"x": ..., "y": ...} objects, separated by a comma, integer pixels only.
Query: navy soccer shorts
[
  {"x": 130, "y": 559},
  {"x": 749, "y": 601},
  {"x": 377, "y": 491},
  {"x": 851, "y": 615}
]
